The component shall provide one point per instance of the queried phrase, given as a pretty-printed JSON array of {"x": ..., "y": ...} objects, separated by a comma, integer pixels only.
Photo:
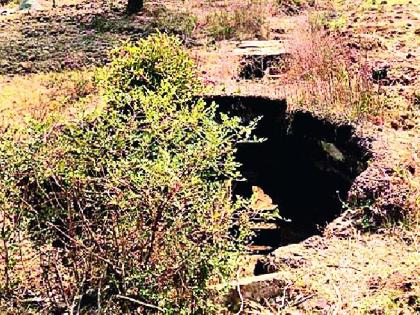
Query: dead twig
[
  {"x": 239, "y": 293},
  {"x": 302, "y": 300},
  {"x": 116, "y": 269},
  {"x": 140, "y": 302},
  {"x": 283, "y": 298},
  {"x": 338, "y": 307},
  {"x": 338, "y": 266}
]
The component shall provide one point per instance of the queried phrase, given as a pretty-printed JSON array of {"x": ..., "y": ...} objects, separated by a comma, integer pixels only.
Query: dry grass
[
  {"x": 227, "y": 19},
  {"x": 247, "y": 20},
  {"x": 331, "y": 83},
  {"x": 365, "y": 274},
  {"x": 40, "y": 96}
]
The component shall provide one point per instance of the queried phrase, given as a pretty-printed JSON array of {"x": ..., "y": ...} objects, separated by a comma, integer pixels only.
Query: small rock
[
  {"x": 279, "y": 31},
  {"x": 29, "y": 5},
  {"x": 376, "y": 311},
  {"x": 395, "y": 124},
  {"x": 380, "y": 71},
  {"x": 26, "y": 65},
  {"x": 409, "y": 125}
]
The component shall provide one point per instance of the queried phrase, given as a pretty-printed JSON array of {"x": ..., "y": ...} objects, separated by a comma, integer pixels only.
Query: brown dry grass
[
  {"x": 241, "y": 21},
  {"x": 330, "y": 83},
  {"x": 364, "y": 274},
  {"x": 40, "y": 96}
]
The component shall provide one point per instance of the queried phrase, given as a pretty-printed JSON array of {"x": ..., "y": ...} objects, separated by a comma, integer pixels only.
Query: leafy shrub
[
  {"x": 147, "y": 65},
  {"x": 125, "y": 211}
]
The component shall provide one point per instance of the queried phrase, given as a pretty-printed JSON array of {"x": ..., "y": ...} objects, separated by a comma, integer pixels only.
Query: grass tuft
[{"x": 243, "y": 21}]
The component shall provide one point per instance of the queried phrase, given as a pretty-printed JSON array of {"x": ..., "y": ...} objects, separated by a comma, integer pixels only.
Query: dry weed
[
  {"x": 39, "y": 96},
  {"x": 331, "y": 80}
]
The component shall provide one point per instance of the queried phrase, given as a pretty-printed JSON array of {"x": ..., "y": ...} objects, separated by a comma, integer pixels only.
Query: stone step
[
  {"x": 259, "y": 249},
  {"x": 261, "y": 58},
  {"x": 261, "y": 48},
  {"x": 259, "y": 226}
]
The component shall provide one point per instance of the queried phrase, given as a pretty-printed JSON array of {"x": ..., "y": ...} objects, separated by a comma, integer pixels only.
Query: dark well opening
[{"x": 306, "y": 166}]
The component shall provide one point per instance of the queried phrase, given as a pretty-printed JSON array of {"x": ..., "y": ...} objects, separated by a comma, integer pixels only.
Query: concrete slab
[{"x": 261, "y": 48}]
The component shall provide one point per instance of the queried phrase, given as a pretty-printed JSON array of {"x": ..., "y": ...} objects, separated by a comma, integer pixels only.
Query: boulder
[{"x": 29, "y": 5}]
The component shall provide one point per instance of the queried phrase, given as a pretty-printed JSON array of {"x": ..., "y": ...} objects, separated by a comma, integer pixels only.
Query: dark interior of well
[{"x": 306, "y": 166}]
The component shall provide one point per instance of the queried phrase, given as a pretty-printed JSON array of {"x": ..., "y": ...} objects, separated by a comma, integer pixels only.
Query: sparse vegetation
[
  {"x": 243, "y": 21},
  {"x": 181, "y": 23},
  {"x": 333, "y": 84},
  {"x": 293, "y": 7},
  {"x": 40, "y": 96}
]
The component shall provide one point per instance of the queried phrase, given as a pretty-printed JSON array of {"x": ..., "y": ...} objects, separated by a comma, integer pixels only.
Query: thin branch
[
  {"x": 85, "y": 247},
  {"x": 338, "y": 266},
  {"x": 6, "y": 258},
  {"x": 140, "y": 302},
  {"x": 239, "y": 293},
  {"x": 304, "y": 299}
]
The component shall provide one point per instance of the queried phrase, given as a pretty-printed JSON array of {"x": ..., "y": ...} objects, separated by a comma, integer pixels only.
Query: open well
[{"x": 306, "y": 167}]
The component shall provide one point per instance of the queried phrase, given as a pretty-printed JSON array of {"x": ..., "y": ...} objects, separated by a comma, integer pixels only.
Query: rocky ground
[{"x": 366, "y": 261}]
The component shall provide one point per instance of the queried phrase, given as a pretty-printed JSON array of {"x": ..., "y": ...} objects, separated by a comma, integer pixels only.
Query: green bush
[
  {"x": 129, "y": 211},
  {"x": 146, "y": 66}
]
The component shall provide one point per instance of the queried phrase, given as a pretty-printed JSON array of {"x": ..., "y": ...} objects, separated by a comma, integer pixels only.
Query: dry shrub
[
  {"x": 292, "y": 7},
  {"x": 247, "y": 20},
  {"x": 331, "y": 80}
]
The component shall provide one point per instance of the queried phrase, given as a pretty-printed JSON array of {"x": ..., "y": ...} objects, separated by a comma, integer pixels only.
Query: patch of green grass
[
  {"x": 367, "y": 4},
  {"x": 182, "y": 23},
  {"x": 389, "y": 302},
  {"x": 320, "y": 20}
]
